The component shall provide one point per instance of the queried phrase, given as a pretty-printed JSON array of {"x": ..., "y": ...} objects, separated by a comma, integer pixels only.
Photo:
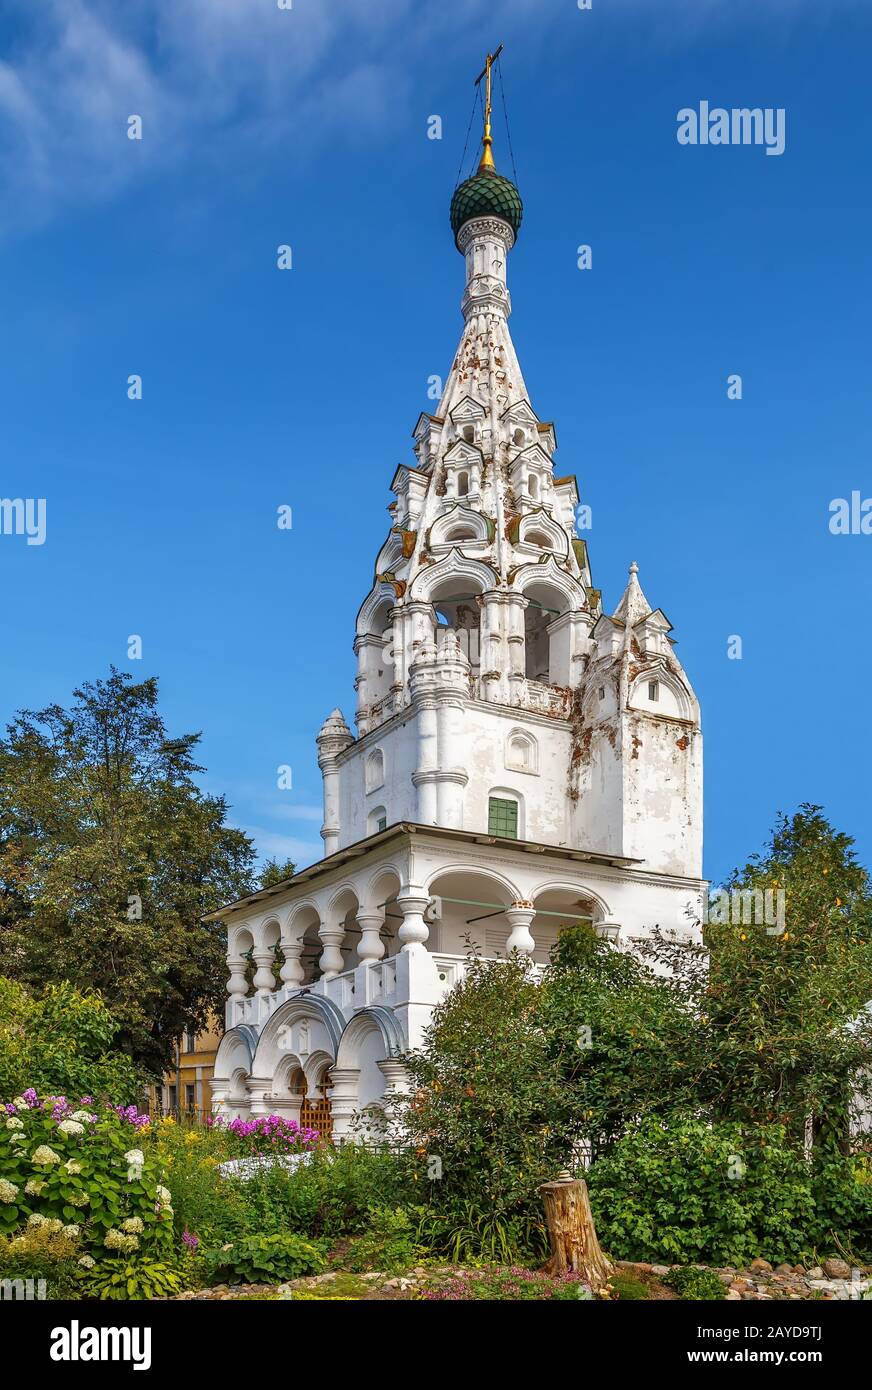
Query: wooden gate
[{"x": 315, "y": 1111}]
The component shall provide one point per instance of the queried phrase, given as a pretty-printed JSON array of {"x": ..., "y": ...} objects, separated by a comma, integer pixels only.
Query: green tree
[
  {"x": 786, "y": 1032},
  {"x": 110, "y": 855},
  {"x": 274, "y": 871},
  {"x": 624, "y": 1038}
]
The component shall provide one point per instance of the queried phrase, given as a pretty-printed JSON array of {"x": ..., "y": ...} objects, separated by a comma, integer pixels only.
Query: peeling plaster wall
[{"x": 662, "y": 811}]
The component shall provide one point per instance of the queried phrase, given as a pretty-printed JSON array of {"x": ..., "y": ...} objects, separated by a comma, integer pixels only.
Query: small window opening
[{"x": 653, "y": 690}]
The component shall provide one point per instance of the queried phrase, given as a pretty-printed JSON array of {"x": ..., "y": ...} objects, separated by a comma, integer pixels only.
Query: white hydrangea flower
[
  {"x": 13, "y": 1122},
  {"x": 72, "y": 1232},
  {"x": 135, "y": 1157},
  {"x": 114, "y": 1240},
  {"x": 33, "y": 1187},
  {"x": 8, "y": 1191},
  {"x": 70, "y": 1127},
  {"x": 36, "y": 1219},
  {"x": 45, "y": 1155},
  {"x": 20, "y": 1103},
  {"x": 129, "y": 1243},
  {"x": 133, "y": 1226},
  {"x": 54, "y": 1225},
  {"x": 84, "y": 1117},
  {"x": 17, "y": 1137},
  {"x": 164, "y": 1196},
  {"x": 87, "y": 1262},
  {"x": 79, "y": 1199},
  {"x": 72, "y": 1166}
]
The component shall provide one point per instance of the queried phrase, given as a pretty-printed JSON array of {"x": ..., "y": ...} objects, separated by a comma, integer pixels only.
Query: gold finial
[{"x": 487, "y": 158}]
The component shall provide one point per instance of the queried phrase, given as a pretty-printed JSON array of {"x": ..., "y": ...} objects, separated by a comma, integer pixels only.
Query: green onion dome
[{"x": 486, "y": 194}]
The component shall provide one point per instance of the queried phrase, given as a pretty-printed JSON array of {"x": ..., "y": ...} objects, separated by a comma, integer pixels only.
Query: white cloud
[{"x": 207, "y": 76}]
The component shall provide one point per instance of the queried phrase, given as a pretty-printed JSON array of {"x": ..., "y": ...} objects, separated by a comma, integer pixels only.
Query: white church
[{"x": 522, "y": 759}]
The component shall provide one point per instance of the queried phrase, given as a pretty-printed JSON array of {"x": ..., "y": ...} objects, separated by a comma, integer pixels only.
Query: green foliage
[
  {"x": 700, "y": 1285},
  {"x": 683, "y": 1190},
  {"x": 110, "y": 855},
  {"x": 87, "y": 1169},
  {"x": 776, "y": 1008},
  {"x": 465, "y": 1234},
  {"x": 43, "y": 1252},
  {"x": 389, "y": 1243},
  {"x": 276, "y": 871},
  {"x": 330, "y": 1196},
  {"x": 487, "y": 1115},
  {"x": 622, "y": 1038},
  {"x": 60, "y": 1042},
  {"x": 134, "y": 1279},
  {"x": 627, "y": 1289},
  {"x": 266, "y": 1259}
]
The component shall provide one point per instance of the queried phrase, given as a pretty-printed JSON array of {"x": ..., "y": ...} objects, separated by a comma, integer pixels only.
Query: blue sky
[{"x": 262, "y": 388}]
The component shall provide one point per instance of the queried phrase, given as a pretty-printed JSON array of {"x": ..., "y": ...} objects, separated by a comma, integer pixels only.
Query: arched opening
[
  {"x": 456, "y": 608},
  {"x": 315, "y": 1109},
  {"x": 375, "y": 647},
  {"x": 343, "y": 911},
  {"x": 469, "y": 433},
  {"x": 538, "y": 538},
  {"x": 519, "y": 437},
  {"x": 460, "y": 533},
  {"x": 381, "y": 895},
  {"x": 306, "y": 924},
  {"x": 544, "y": 660},
  {"x": 241, "y": 943},
  {"x": 376, "y": 820},
  {"x": 473, "y": 914},
  {"x": 462, "y": 484},
  {"x": 533, "y": 487}
]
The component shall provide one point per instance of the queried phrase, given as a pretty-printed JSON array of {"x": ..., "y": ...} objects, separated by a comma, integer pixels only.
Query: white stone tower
[{"x": 521, "y": 759}]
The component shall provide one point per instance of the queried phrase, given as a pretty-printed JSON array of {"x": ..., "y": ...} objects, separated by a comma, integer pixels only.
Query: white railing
[{"x": 369, "y": 984}]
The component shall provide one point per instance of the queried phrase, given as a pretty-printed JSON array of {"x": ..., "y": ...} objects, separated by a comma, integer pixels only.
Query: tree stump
[{"x": 572, "y": 1234}]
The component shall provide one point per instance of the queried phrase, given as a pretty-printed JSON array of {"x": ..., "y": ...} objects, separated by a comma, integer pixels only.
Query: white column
[
  {"x": 520, "y": 917},
  {"x": 414, "y": 931},
  {"x": 332, "y": 936},
  {"x": 515, "y": 639},
  {"x": 371, "y": 946},
  {"x": 237, "y": 985},
  {"x": 343, "y": 1099},
  {"x": 264, "y": 979},
  {"x": 493, "y": 661},
  {"x": 292, "y": 972},
  {"x": 425, "y": 773}
]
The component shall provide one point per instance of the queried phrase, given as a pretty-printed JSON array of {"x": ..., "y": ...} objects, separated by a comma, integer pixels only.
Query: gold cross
[{"x": 487, "y": 159}]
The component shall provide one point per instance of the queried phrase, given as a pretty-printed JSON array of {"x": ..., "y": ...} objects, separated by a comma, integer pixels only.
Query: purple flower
[{"x": 190, "y": 1240}]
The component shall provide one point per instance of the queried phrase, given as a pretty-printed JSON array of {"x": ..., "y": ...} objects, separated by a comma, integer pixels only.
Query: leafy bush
[
  {"x": 60, "y": 1041},
  {"x": 465, "y": 1234},
  {"x": 140, "y": 1279},
  {"x": 47, "y": 1251},
  {"x": 680, "y": 1190},
  {"x": 702, "y": 1285},
  {"x": 271, "y": 1259},
  {"x": 389, "y": 1244},
  {"x": 487, "y": 1113},
  {"x": 82, "y": 1166}
]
